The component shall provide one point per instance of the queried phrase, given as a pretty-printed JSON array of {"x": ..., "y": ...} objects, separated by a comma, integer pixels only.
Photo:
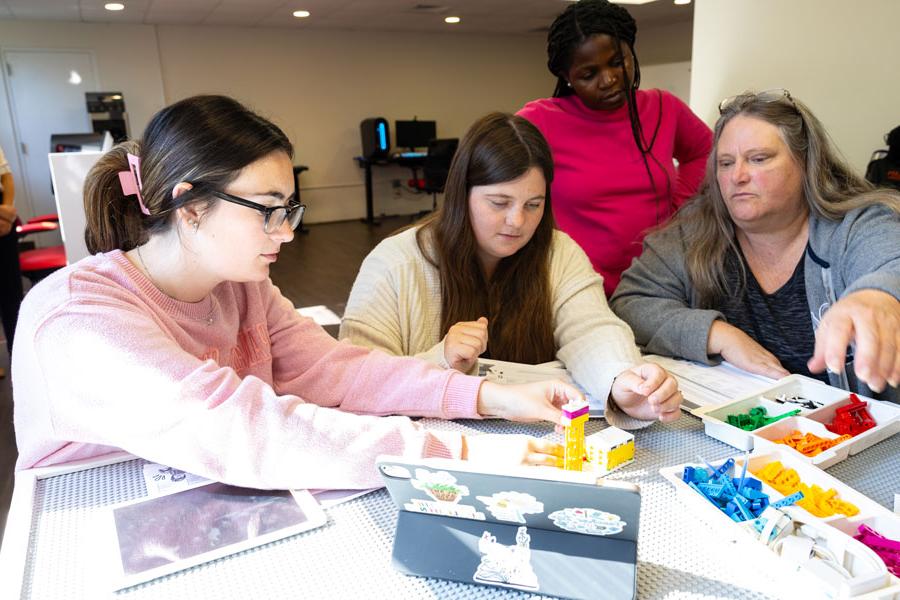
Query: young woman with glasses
[
  {"x": 785, "y": 259},
  {"x": 172, "y": 343}
]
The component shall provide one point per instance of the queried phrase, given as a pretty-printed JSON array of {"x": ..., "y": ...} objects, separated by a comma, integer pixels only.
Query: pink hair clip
[{"x": 131, "y": 181}]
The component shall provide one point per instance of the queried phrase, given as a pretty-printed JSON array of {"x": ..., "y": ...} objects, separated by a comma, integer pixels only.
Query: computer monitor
[{"x": 415, "y": 134}]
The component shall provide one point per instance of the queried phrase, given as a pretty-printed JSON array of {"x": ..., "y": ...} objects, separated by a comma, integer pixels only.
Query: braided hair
[{"x": 572, "y": 28}]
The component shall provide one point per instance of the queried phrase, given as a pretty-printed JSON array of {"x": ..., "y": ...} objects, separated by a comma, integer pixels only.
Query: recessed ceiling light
[
  {"x": 114, "y": 6},
  {"x": 301, "y": 14},
  {"x": 682, "y": 1},
  {"x": 452, "y": 19}
]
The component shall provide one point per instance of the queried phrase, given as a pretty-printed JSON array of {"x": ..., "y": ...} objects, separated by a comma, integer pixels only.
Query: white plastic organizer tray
[
  {"x": 821, "y": 403},
  {"x": 840, "y": 528}
]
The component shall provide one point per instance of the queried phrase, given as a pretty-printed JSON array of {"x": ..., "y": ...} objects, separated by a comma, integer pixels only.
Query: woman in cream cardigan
[{"x": 488, "y": 275}]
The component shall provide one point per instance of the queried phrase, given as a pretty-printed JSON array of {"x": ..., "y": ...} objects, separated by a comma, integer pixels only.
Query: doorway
[{"x": 46, "y": 89}]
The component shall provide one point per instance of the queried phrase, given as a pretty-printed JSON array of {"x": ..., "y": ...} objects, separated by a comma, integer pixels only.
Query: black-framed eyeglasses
[
  {"x": 274, "y": 216},
  {"x": 773, "y": 95}
]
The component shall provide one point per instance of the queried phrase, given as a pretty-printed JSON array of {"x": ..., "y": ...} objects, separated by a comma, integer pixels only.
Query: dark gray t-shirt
[{"x": 780, "y": 322}]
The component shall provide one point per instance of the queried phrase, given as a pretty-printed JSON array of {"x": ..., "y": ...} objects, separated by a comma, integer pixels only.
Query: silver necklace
[{"x": 208, "y": 319}]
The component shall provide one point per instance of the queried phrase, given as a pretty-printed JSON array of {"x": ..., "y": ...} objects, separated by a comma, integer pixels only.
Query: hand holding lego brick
[
  {"x": 647, "y": 391},
  {"x": 871, "y": 320},
  {"x": 539, "y": 401}
]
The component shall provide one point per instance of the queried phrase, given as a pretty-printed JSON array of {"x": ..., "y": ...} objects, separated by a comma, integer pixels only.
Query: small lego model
[
  {"x": 575, "y": 415},
  {"x": 851, "y": 419},
  {"x": 609, "y": 449}
]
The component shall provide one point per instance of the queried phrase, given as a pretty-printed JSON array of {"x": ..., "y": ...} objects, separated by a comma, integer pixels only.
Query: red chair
[{"x": 37, "y": 263}]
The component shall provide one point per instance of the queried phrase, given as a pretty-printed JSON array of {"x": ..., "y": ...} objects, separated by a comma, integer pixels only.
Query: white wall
[
  {"x": 126, "y": 57},
  {"x": 318, "y": 86},
  {"x": 660, "y": 43},
  {"x": 838, "y": 57},
  {"x": 674, "y": 77}
]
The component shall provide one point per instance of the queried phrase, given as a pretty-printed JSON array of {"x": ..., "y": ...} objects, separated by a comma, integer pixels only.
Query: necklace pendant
[{"x": 209, "y": 320}]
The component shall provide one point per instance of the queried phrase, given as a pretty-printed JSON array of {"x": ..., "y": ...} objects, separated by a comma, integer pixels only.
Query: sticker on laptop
[
  {"x": 446, "y": 492},
  {"x": 507, "y": 566},
  {"x": 512, "y": 506},
  {"x": 588, "y": 520}
]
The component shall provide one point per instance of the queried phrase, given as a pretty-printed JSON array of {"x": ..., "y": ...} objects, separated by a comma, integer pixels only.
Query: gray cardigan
[{"x": 656, "y": 299}]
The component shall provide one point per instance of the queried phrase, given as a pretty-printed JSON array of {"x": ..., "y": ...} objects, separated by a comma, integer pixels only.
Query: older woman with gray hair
[{"x": 786, "y": 261}]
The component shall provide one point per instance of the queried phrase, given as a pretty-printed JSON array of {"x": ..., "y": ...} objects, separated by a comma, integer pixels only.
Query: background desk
[
  {"x": 351, "y": 556},
  {"x": 367, "y": 164}
]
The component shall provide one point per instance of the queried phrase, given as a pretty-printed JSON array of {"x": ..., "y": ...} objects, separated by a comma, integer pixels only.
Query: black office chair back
[{"x": 437, "y": 164}]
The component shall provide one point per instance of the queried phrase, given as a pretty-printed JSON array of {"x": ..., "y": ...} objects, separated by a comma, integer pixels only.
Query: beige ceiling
[{"x": 478, "y": 16}]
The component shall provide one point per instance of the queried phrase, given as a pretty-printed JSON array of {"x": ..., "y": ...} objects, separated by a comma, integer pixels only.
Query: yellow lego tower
[{"x": 575, "y": 415}]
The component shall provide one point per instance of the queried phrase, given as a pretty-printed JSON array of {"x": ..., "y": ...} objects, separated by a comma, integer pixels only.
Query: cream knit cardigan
[{"x": 395, "y": 305}]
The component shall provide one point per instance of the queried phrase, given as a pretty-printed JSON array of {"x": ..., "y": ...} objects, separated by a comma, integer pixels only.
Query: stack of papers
[
  {"x": 701, "y": 385},
  {"x": 705, "y": 385}
]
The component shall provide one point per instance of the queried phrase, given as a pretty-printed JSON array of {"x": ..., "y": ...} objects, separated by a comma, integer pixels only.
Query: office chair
[
  {"x": 37, "y": 263},
  {"x": 436, "y": 167}
]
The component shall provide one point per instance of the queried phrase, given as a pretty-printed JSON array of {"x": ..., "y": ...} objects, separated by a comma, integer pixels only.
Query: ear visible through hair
[{"x": 190, "y": 214}]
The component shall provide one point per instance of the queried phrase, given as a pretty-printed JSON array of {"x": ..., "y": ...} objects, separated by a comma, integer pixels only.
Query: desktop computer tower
[{"x": 376, "y": 138}]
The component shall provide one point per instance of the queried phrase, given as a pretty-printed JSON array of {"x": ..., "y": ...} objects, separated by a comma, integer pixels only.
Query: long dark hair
[
  {"x": 577, "y": 23},
  {"x": 205, "y": 140},
  {"x": 517, "y": 300}
]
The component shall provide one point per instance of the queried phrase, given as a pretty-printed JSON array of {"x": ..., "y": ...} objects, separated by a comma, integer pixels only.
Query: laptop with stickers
[{"x": 536, "y": 529}]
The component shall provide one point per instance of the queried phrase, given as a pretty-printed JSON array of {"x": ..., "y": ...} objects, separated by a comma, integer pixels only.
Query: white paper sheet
[
  {"x": 511, "y": 373},
  {"x": 704, "y": 385},
  {"x": 161, "y": 479},
  {"x": 330, "y": 498}
]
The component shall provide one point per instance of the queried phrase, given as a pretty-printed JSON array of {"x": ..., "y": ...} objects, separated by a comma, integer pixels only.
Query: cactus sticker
[{"x": 446, "y": 494}]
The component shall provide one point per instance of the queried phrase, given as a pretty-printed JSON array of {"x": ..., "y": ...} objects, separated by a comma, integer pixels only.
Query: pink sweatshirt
[
  {"x": 601, "y": 194},
  {"x": 262, "y": 397}
]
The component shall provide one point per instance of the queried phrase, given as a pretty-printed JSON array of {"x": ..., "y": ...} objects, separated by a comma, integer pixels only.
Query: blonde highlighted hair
[{"x": 830, "y": 187}]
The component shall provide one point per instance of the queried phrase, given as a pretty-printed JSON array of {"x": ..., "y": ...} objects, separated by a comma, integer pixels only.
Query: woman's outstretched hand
[
  {"x": 499, "y": 450},
  {"x": 528, "y": 402}
]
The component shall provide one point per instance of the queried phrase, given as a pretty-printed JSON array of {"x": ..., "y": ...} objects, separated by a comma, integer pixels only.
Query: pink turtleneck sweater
[
  {"x": 258, "y": 397},
  {"x": 601, "y": 193}
]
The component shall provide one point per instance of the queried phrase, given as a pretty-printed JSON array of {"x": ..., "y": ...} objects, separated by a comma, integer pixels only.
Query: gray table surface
[{"x": 351, "y": 555}]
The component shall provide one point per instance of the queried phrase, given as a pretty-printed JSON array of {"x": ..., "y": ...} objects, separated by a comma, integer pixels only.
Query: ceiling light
[
  {"x": 301, "y": 14},
  {"x": 682, "y": 1},
  {"x": 114, "y": 6},
  {"x": 452, "y": 19}
]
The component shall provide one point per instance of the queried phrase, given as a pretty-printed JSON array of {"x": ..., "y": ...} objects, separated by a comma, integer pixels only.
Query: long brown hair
[
  {"x": 205, "y": 140},
  {"x": 830, "y": 187},
  {"x": 517, "y": 300}
]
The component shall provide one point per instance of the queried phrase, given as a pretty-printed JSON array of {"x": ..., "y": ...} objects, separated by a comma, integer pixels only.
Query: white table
[{"x": 45, "y": 553}]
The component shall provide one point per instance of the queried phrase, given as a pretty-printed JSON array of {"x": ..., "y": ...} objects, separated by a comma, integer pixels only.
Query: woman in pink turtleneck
[
  {"x": 614, "y": 146},
  {"x": 172, "y": 343}
]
